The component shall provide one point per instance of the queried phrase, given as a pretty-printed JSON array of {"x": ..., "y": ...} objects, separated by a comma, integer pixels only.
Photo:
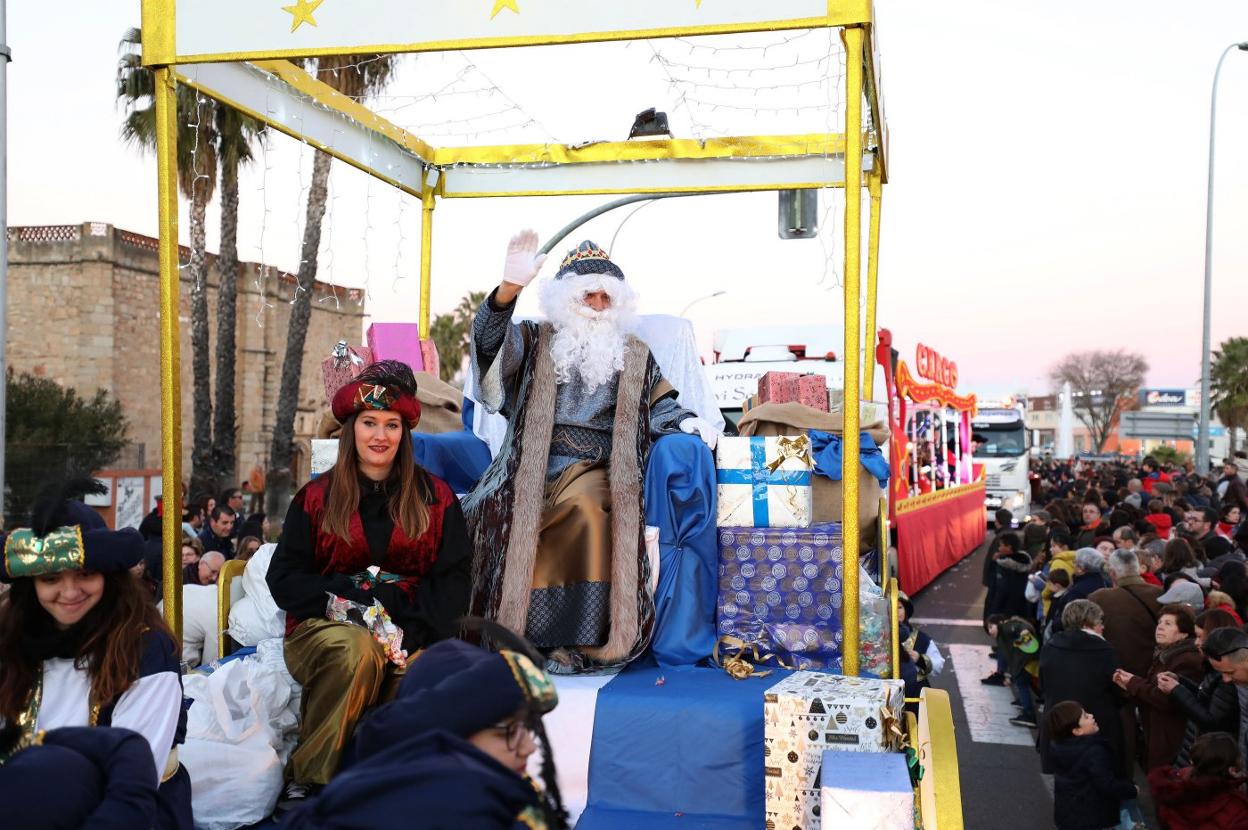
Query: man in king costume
[{"x": 557, "y": 520}]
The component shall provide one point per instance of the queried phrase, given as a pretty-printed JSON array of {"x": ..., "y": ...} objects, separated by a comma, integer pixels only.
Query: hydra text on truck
[
  {"x": 1002, "y": 451},
  {"x": 743, "y": 355}
]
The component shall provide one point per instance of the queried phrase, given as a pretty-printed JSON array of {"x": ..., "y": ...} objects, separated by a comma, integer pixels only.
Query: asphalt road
[{"x": 1002, "y": 787}]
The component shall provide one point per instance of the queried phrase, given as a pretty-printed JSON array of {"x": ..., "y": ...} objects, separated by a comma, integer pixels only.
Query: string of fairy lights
[{"x": 717, "y": 86}]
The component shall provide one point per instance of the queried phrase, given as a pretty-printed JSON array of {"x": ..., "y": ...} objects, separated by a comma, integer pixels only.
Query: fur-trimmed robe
[{"x": 504, "y": 512}]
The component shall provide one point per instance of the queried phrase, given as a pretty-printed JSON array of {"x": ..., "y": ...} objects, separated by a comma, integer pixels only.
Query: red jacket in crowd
[{"x": 1188, "y": 803}]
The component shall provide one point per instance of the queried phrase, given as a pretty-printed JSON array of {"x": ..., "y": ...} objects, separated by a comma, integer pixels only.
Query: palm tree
[
  {"x": 1229, "y": 385},
  {"x": 197, "y": 178},
  {"x": 450, "y": 334},
  {"x": 357, "y": 77},
  {"x": 235, "y": 135}
]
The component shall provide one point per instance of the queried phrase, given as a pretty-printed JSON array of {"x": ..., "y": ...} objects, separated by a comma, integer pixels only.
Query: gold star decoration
[
  {"x": 697, "y": 4},
  {"x": 302, "y": 12},
  {"x": 499, "y": 5}
]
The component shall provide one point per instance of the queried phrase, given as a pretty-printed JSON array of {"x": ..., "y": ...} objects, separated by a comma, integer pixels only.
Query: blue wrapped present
[
  {"x": 763, "y": 481},
  {"x": 780, "y": 589}
]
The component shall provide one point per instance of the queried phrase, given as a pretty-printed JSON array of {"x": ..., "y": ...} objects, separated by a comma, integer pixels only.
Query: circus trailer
[{"x": 936, "y": 491}]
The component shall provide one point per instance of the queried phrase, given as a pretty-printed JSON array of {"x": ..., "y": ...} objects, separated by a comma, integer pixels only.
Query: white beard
[{"x": 589, "y": 345}]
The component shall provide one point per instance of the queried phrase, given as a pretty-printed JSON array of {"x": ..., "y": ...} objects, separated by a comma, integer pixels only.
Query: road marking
[
  {"x": 958, "y": 623},
  {"x": 988, "y": 708}
]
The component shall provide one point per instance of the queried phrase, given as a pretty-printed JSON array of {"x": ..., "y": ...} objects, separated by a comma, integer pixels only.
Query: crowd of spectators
[{"x": 1117, "y": 613}]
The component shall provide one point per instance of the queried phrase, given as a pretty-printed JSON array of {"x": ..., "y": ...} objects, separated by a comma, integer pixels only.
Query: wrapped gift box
[
  {"x": 342, "y": 365},
  {"x": 866, "y": 789},
  {"x": 397, "y": 341},
  {"x": 778, "y": 387},
  {"x": 429, "y": 357},
  {"x": 780, "y": 590},
  {"x": 812, "y": 391},
  {"x": 764, "y": 482},
  {"x": 810, "y": 712}
]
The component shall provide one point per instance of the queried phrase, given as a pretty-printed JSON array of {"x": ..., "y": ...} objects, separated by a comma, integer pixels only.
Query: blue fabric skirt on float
[
  {"x": 678, "y": 747},
  {"x": 680, "y": 502}
]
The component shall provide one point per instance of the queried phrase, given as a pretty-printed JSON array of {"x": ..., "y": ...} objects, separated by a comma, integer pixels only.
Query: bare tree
[{"x": 1103, "y": 384}]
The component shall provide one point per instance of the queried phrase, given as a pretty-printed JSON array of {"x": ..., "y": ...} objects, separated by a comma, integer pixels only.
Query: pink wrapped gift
[
  {"x": 429, "y": 355},
  {"x": 812, "y": 390},
  {"x": 343, "y": 364},
  {"x": 397, "y": 341},
  {"x": 778, "y": 387}
]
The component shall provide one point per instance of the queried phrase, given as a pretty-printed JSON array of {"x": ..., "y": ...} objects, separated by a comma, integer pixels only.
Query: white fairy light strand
[{"x": 262, "y": 276}]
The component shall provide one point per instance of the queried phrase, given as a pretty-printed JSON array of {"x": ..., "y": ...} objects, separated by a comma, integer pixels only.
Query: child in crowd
[
  {"x": 1209, "y": 794},
  {"x": 1018, "y": 655},
  {"x": 1010, "y": 568},
  {"x": 1056, "y": 587},
  {"x": 920, "y": 658},
  {"x": 1087, "y": 793}
]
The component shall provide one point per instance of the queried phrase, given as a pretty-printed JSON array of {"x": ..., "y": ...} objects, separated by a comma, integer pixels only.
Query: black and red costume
[{"x": 435, "y": 568}]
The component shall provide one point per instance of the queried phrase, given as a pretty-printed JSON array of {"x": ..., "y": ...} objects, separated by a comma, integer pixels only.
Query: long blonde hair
[{"x": 409, "y": 507}]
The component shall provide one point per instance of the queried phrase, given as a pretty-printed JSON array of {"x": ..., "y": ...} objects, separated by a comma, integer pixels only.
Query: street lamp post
[
  {"x": 1202, "y": 440},
  {"x": 694, "y": 302}
]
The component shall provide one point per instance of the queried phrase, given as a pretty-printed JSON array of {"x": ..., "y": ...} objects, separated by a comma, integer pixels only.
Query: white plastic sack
[
  {"x": 243, "y": 716},
  {"x": 256, "y": 616}
]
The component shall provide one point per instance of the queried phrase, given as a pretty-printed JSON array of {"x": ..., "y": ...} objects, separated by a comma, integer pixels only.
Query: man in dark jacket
[
  {"x": 1089, "y": 578},
  {"x": 1131, "y": 609},
  {"x": 1212, "y": 706},
  {"x": 1200, "y": 523},
  {"x": 1093, "y": 525},
  {"x": 1078, "y": 664}
]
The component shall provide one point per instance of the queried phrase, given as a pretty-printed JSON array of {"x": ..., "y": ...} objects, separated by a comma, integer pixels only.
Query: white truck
[
  {"x": 999, "y": 434},
  {"x": 743, "y": 355}
]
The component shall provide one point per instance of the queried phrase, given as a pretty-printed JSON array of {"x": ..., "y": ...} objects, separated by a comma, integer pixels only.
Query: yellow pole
[
  {"x": 875, "y": 188},
  {"x": 426, "y": 257},
  {"x": 853, "y": 277},
  {"x": 894, "y": 628},
  {"x": 170, "y": 379}
]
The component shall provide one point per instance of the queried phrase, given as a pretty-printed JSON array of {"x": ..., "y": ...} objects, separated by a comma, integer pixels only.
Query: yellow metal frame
[
  {"x": 852, "y": 17},
  {"x": 894, "y": 626},
  {"x": 160, "y": 16},
  {"x": 229, "y": 572},
  {"x": 170, "y": 355},
  {"x": 940, "y": 791}
]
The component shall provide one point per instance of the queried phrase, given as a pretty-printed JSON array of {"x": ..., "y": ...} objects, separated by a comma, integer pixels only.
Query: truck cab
[{"x": 1000, "y": 446}]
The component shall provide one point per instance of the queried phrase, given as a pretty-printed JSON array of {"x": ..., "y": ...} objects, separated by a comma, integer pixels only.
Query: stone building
[{"x": 83, "y": 309}]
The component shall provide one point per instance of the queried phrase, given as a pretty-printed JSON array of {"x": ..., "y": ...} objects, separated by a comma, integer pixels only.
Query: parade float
[
  {"x": 936, "y": 494},
  {"x": 740, "y": 747}
]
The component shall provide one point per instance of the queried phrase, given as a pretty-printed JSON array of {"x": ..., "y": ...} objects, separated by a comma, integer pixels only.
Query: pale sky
[{"x": 1047, "y": 185}]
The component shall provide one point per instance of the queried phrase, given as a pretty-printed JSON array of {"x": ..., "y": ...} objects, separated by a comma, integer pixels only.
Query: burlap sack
[
  {"x": 796, "y": 419},
  {"x": 441, "y": 409}
]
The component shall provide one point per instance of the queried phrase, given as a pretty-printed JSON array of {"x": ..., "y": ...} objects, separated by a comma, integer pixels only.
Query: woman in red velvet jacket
[
  {"x": 1209, "y": 795},
  {"x": 375, "y": 529}
]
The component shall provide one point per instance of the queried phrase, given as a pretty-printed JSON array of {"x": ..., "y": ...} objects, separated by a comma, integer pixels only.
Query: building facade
[
  {"x": 84, "y": 310},
  {"x": 1044, "y": 420}
]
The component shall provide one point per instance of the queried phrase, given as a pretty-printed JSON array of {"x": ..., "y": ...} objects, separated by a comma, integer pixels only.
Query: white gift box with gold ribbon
[
  {"x": 810, "y": 712},
  {"x": 764, "y": 482}
]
